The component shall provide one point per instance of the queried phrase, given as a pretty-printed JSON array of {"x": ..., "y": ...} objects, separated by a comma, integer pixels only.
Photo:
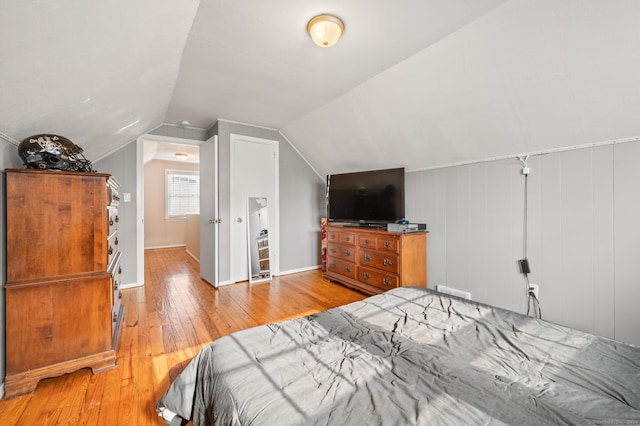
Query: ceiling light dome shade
[{"x": 325, "y": 30}]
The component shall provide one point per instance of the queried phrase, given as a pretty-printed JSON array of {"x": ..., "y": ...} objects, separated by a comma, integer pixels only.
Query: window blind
[{"x": 183, "y": 194}]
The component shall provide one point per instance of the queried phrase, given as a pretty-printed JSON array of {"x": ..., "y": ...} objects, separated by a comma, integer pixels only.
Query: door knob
[{"x": 239, "y": 219}]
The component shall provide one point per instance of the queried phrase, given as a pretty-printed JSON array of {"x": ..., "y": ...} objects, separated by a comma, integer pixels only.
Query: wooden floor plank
[
  {"x": 166, "y": 323},
  {"x": 90, "y": 410},
  {"x": 12, "y": 409}
]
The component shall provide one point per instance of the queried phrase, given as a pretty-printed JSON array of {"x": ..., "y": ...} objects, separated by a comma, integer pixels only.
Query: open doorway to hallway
[{"x": 171, "y": 195}]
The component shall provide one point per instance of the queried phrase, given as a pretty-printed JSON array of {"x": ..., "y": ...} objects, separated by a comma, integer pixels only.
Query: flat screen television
[{"x": 373, "y": 197}]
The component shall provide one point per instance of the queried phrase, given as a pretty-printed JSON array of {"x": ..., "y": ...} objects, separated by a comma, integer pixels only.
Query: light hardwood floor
[{"x": 166, "y": 323}]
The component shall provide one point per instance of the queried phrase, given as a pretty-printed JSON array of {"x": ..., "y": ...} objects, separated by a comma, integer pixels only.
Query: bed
[{"x": 410, "y": 356}]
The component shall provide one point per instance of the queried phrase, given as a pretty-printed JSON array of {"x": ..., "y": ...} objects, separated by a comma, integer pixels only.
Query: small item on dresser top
[
  {"x": 405, "y": 226},
  {"x": 53, "y": 152}
]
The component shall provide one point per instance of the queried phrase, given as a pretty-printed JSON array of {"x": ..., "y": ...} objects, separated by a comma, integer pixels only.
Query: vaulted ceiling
[{"x": 415, "y": 83}]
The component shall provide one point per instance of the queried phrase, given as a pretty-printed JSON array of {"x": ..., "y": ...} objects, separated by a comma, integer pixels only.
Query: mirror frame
[{"x": 256, "y": 239}]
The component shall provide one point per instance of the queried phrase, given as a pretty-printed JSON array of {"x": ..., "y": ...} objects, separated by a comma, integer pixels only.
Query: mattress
[{"x": 410, "y": 356}]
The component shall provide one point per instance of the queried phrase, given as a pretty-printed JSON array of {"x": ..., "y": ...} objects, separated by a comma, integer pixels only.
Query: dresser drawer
[
  {"x": 116, "y": 272},
  {"x": 112, "y": 217},
  {"x": 379, "y": 259},
  {"x": 333, "y": 236},
  {"x": 377, "y": 278},
  {"x": 263, "y": 253},
  {"x": 116, "y": 279},
  {"x": 367, "y": 241},
  {"x": 387, "y": 244},
  {"x": 348, "y": 269},
  {"x": 264, "y": 265},
  {"x": 348, "y": 238},
  {"x": 342, "y": 237},
  {"x": 341, "y": 251},
  {"x": 112, "y": 247}
]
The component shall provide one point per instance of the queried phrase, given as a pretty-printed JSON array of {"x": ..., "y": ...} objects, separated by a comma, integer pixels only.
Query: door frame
[
  {"x": 140, "y": 191},
  {"x": 275, "y": 238}
]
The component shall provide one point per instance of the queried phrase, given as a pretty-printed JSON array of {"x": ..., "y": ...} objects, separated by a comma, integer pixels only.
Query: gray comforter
[{"x": 409, "y": 356}]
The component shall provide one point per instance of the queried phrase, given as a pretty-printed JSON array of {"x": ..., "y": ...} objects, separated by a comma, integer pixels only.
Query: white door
[
  {"x": 254, "y": 173},
  {"x": 209, "y": 218}
]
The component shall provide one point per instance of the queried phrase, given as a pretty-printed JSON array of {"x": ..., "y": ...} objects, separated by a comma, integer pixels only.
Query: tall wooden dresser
[
  {"x": 374, "y": 261},
  {"x": 63, "y": 309}
]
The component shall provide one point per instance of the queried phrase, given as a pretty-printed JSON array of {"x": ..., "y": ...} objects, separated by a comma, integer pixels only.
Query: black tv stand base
[{"x": 366, "y": 225}]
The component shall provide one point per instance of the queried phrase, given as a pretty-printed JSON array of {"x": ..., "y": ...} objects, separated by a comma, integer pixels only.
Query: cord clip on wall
[{"x": 525, "y": 168}]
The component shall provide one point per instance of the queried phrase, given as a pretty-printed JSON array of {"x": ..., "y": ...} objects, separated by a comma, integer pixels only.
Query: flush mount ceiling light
[
  {"x": 182, "y": 156},
  {"x": 325, "y": 30},
  {"x": 185, "y": 123}
]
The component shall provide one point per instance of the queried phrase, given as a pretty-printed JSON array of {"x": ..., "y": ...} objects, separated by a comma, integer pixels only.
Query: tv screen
[{"x": 370, "y": 197}]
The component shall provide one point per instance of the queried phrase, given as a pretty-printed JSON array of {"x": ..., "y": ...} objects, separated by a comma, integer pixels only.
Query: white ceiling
[
  {"x": 158, "y": 149},
  {"x": 415, "y": 83}
]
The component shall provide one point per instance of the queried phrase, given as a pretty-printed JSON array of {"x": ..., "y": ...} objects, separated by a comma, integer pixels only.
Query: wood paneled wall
[{"x": 583, "y": 234}]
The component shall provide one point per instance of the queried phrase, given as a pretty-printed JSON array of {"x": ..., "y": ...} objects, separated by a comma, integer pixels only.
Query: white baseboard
[
  {"x": 163, "y": 247},
  {"x": 295, "y": 271},
  {"x": 290, "y": 271},
  {"x": 131, "y": 285},
  {"x": 193, "y": 256},
  {"x": 453, "y": 291}
]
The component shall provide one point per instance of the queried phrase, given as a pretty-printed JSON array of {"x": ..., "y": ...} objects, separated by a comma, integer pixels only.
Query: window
[{"x": 183, "y": 193}]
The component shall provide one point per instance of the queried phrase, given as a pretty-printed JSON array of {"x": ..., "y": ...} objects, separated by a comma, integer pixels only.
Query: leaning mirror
[{"x": 258, "y": 239}]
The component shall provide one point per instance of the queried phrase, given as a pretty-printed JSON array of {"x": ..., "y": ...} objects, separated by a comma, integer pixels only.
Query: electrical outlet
[{"x": 534, "y": 289}]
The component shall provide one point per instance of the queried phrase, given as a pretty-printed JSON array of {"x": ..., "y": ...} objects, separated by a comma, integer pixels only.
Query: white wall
[{"x": 583, "y": 234}]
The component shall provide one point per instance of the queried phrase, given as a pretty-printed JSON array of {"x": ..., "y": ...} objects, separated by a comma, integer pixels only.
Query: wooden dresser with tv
[
  {"x": 374, "y": 260},
  {"x": 63, "y": 309}
]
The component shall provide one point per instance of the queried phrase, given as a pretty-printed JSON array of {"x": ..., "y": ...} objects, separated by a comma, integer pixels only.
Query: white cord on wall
[{"x": 531, "y": 297}]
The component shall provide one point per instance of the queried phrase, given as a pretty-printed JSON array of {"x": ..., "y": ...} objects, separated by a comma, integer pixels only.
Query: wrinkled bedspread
[{"x": 410, "y": 356}]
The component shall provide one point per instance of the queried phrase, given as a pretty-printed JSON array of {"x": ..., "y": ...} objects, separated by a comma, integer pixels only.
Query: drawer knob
[
  {"x": 119, "y": 269},
  {"x": 347, "y": 269},
  {"x": 120, "y": 294},
  {"x": 386, "y": 281},
  {"x": 387, "y": 262},
  {"x": 387, "y": 244},
  {"x": 110, "y": 222},
  {"x": 332, "y": 265},
  {"x": 347, "y": 253},
  {"x": 366, "y": 242},
  {"x": 347, "y": 238},
  {"x": 366, "y": 275},
  {"x": 110, "y": 251},
  {"x": 367, "y": 257},
  {"x": 117, "y": 219},
  {"x": 115, "y": 317},
  {"x": 116, "y": 241},
  {"x": 332, "y": 236},
  {"x": 333, "y": 250}
]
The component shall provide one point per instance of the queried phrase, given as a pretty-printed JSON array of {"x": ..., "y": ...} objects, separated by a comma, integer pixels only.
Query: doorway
[
  {"x": 168, "y": 174},
  {"x": 171, "y": 195}
]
